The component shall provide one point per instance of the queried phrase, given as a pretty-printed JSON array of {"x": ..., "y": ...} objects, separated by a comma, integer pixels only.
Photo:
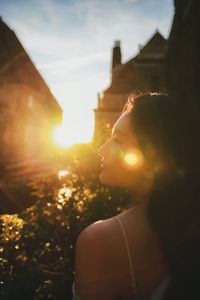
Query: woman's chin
[{"x": 105, "y": 179}]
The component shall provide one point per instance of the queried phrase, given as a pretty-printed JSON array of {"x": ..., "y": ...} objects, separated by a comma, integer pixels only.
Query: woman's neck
[{"x": 140, "y": 201}]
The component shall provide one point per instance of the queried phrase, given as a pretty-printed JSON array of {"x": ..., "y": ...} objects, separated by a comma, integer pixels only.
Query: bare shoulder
[
  {"x": 103, "y": 232},
  {"x": 93, "y": 237},
  {"x": 94, "y": 261},
  {"x": 99, "y": 227}
]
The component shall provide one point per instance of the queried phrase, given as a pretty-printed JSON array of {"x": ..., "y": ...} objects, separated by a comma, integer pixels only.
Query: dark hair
[{"x": 173, "y": 128}]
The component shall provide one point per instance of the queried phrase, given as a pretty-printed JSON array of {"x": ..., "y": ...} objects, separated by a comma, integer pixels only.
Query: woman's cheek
[{"x": 116, "y": 153}]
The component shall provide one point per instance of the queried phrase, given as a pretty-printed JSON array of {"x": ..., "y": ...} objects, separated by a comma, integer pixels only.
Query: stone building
[
  {"x": 28, "y": 108},
  {"x": 144, "y": 72},
  {"x": 28, "y": 113}
]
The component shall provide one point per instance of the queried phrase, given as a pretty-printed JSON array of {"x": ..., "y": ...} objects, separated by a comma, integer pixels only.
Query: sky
[{"x": 70, "y": 42}]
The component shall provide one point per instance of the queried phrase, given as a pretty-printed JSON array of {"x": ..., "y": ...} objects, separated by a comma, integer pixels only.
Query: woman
[{"x": 154, "y": 152}]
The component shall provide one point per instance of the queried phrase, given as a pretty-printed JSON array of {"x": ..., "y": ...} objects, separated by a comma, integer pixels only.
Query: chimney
[{"x": 116, "y": 58}]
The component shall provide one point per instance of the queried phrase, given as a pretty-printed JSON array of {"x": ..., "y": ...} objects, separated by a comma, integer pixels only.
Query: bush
[{"x": 37, "y": 245}]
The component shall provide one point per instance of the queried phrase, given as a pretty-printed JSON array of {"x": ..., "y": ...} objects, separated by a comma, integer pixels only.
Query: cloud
[
  {"x": 130, "y": 1},
  {"x": 56, "y": 30}
]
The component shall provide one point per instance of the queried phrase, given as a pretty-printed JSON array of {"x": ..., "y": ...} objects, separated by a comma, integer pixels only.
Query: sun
[
  {"x": 73, "y": 131},
  {"x": 59, "y": 136}
]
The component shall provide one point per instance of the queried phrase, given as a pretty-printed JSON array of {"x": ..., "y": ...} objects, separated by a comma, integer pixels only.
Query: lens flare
[{"x": 133, "y": 158}]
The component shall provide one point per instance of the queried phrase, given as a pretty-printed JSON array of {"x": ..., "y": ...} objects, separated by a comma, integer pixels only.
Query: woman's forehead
[{"x": 123, "y": 124}]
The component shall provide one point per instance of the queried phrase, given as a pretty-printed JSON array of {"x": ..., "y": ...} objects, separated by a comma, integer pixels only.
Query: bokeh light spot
[
  {"x": 62, "y": 173},
  {"x": 131, "y": 159}
]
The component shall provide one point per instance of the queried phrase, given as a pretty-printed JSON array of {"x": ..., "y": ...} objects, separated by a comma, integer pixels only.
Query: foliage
[{"x": 37, "y": 245}]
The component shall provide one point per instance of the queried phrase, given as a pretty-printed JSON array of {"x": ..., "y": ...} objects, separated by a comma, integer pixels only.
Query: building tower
[{"x": 144, "y": 72}]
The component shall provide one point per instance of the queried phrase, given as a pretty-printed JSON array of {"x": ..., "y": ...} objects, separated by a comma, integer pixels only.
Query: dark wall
[{"x": 183, "y": 57}]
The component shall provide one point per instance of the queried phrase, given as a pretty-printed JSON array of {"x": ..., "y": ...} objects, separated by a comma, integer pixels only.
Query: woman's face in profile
[{"x": 122, "y": 161}]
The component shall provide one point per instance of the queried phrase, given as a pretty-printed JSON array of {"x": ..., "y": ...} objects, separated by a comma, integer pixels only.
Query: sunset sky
[{"x": 70, "y": 42}]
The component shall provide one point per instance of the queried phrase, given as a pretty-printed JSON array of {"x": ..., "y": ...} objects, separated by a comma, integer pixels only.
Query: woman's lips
[{"x": 103, "y": 166}]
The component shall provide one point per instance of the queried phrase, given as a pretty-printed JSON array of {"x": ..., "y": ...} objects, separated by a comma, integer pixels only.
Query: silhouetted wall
[{"x": 183, "y": 57}]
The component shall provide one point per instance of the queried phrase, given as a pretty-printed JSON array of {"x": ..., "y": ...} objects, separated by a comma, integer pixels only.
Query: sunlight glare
[
  {"x": 75, "y": 129},
  {"x": 64, "y": 194},
  {"x": 62, "y": 173},
  {"x": 59, "y": 137}
]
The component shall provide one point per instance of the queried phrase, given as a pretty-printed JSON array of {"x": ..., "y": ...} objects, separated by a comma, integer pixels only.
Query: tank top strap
[{"x": 130, "y": 261}]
